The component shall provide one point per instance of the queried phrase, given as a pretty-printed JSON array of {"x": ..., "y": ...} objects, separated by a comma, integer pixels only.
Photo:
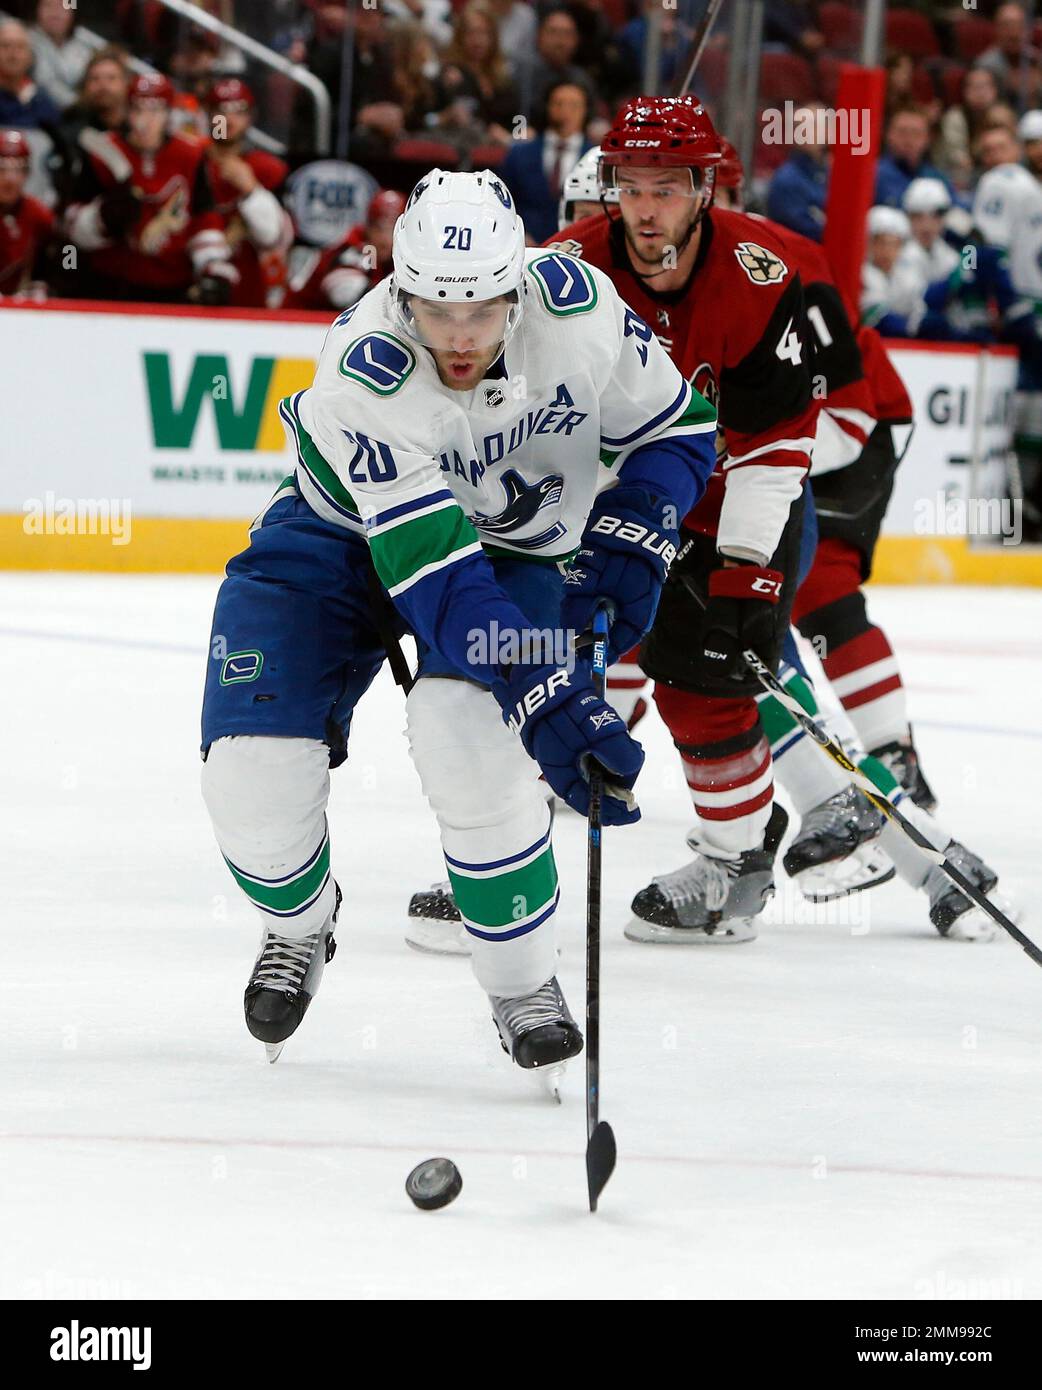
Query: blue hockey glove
[
  {"x": 563, "y": 724},
  {"x": 627, "y": 548}
]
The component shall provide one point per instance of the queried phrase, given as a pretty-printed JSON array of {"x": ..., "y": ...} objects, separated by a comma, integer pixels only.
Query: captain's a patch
[{"x": 763, "y": 267}]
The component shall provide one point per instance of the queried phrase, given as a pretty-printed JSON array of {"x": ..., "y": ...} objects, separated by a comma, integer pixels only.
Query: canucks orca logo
[
  {"x": 501, "y": 193},
  {"x": 417, "y": 192},
  {"x": 524, "y": 502}
]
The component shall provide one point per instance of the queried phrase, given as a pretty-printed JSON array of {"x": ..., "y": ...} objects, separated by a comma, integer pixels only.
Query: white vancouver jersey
[
  {"x": 385, "y": 448},
  {"x": 1007, "y": 210}
]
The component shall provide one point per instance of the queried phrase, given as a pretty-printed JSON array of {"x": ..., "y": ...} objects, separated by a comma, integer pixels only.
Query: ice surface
[{"x": 847, "y": 1107}]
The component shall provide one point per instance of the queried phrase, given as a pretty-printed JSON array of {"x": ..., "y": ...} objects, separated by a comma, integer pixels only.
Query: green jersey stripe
[
  {"x": 400, "y": 553},
  {"x": 285, "y": 897}
]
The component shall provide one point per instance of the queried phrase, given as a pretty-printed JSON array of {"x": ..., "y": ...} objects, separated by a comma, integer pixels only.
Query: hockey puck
[{"x": 434, "y": 1183}]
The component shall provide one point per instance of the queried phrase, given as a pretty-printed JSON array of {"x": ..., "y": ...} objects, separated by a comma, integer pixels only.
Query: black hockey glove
[
  {"x": 627, "y": 546},
  {"x": 212, "y": 290},
  {"x": 118, "y": 210},
  {"x": 738, "y": 615}
]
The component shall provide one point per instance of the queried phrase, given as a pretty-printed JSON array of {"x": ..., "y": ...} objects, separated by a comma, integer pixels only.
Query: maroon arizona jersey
[
  {"x": 24, "y": 228},
  {"x": 342, "y": 274},
  {"x": 257, "y": 268},
  {"x": 177, "y": 216},
  {"x": 737, "y": 331}
]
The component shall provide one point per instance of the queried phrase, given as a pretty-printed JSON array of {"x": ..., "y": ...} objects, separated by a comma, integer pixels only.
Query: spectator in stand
[
  {"x": 962, "y": 123},
  {"x": 245, "y": 182},
  {"x": 102, "y": 105},
  {"x": 517, "y": 25},
  {"x": 996, "y": 145},
  {"x": 891, "y": 291},
  {"x": 675, "y": 39},
  {"x": 477, "y": 97},
  {"x": 24, "y": 105},
  {"x": 535, "y": 170},
  {"x": 557, "y": 43},
  {"x": 792, "y": 24},
  {"x": 61, "y": 55},
  {"x": 26, "y": 225},
  {"x": 22, "y": 102},
  {"x": 337, "y": 277},
  {"x": 434, "y": 17},
  {"x": 194, "y": 66},
  {"x": 143, "y": 216},
  {"x": 416, "y": 67},
  {"x": 1012, "y": 59},
  {"x": 905, "y": 157},
  {"x": 797, "y": 193}
]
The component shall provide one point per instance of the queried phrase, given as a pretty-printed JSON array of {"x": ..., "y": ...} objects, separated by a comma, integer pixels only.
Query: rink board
[{"x": 177, "y": 442}]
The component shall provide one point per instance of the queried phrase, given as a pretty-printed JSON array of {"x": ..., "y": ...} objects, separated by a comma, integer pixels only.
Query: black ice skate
[
  {"x": 902, "y": 761},
  {"x": 285, "y": 979},
  {"x": 709, "y": 900},
  {"x": 951, "y": 911},
  {"x": 538, "y": 1031},
  {"x": 835, "y": 851},
  {"x": 435, "y": 925}
]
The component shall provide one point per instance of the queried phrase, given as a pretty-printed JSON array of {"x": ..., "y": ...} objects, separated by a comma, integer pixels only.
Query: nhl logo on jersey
[
  {"x": 763, "y": 267},
  {"x": 494, "y": 395}
]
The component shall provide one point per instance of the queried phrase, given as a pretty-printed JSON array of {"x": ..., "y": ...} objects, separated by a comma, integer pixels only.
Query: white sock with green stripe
[
  {"x": 267, "y": 800},
  {"x": 495, "y": 831}
]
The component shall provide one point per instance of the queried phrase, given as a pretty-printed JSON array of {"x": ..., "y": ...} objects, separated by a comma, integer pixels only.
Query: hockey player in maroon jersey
[
  {"x": 245, "y": 184},
  {"x": 144, "y": 211},
  {"x": 26, "y": 224},
  {"x": 851, "y": 497},
  {"x": 353, "y": 265}
]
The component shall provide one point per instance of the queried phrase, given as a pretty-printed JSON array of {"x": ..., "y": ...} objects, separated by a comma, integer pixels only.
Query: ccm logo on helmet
[
  {"x": 636, "y": 534},
  {"x": 535, "y": 698}
]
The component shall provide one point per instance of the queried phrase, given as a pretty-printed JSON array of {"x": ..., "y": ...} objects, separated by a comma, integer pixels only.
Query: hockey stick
[
  {"x": 773, "y": 685},
  {"x": 600, "y": 1140},
  {"x": 698, "y": 42}
]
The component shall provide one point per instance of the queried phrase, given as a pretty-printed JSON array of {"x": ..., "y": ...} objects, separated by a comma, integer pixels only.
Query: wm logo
[{"x": 251, "y": 422}]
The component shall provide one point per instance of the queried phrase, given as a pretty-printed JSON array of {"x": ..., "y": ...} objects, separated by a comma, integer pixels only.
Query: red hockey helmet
[
  {"x": 230, "y": 94},
  {"x": 729, "y": 172},
  {"x": 151, "y": 89},
  {"x": 386, "y": 205},
  {"x": 673, "y": 131},
  {"x": 14, "y": 149}
]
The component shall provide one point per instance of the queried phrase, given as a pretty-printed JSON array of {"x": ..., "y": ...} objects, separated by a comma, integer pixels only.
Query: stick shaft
[{"x": 593, "y": 895}]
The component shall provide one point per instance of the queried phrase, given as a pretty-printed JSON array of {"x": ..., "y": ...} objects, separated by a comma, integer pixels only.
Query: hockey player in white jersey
[{"x": 474, "y": 421}]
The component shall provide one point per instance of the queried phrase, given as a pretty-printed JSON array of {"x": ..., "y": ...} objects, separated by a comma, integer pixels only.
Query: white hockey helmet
[
  {"x": 459, "y": 240},
  {"x": 583, "y": 185},
  {"x": 1030, "y": 127},
  {"x": 926, "y": 195},
  {"x": 887, "y": 221}
]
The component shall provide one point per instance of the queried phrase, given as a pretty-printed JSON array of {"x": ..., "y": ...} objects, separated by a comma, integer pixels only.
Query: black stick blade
[{"x": 600, "y": 1161}]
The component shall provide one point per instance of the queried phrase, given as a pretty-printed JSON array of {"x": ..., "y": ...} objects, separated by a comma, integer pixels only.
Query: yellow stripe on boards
[
  {"x": 953, "y": 560},
  {"x": 204, "y": 545},
  {"x": 172, "y": 545}
]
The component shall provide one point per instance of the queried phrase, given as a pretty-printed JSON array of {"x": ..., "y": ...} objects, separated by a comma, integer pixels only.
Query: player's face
[
  {"x": 884, "y": 250},
  {"x": 926, "y": 227},
  {"x": 582, "y": 207},
  {"x": 230, "y": 125},
  {"x": 1033, "y": 155},
  {"x": 463, "y": 339},
  {"x": 12, "y": 181},
  {"x": 658, "y": 207},
  {"x": 147, "y": 125}
]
